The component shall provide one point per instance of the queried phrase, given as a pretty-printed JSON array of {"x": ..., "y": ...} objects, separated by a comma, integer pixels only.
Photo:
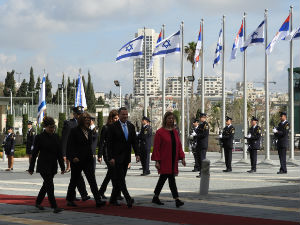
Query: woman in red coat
[{"x": 167, "y": 151}]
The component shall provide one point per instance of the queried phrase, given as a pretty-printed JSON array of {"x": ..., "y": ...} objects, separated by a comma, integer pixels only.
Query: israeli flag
[
  {"x": 132, "y": 49},
  {"x": 42, "y": 102},
  {"x": 219, "y": 49},
  {"x": 170, "y": 45},
  {"x": 80, "y": 99},
  {"x": 198, "y": 48},
  {"x": 256, "y": 37},
  {"x": 238, "y": 42},
  {"x": 294, "y": 34}
]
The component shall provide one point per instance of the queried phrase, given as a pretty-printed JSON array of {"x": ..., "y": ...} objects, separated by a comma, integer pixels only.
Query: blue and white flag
[
  {"x": 42, "y": 102},
  {"x": 280, "y": 35},
  {"x": 219, "y": 49},
  {"x": 132, "y": 49},
  {"x": 238, "y": 42},
  {"x": 80, "y": 99},
  {"x": 256, "y": 37},
  {"x": 294, "y": 34},
  {"x": 170, "y": 45},
  {"x": 198, "y": 48}
]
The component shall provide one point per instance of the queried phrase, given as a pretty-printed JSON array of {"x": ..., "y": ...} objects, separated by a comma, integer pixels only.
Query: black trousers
[
  {"x": 228, "y": 157},
  {"x": 253, "y": 158},
  {"x": 48, "y": 187},
  {"x": 89, "y": 171},
  {"x": 201, "y": 155},
  {"x": 282, "y": 159},
  {"x": 196, "y": 165},
  {"x": 119, "y": 172},
  {"x": 172, "y": 184},
  {"x": 106, "y": 180},
  {"x": 145, "y": 159}
]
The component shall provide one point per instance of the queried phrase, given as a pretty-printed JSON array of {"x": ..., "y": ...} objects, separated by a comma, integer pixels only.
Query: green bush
[
  {"x": 25, "y": 127},
  {"x": 61, "y": 119}
]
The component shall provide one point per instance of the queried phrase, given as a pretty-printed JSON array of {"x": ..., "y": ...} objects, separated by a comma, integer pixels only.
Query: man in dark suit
[
  {"x": 227, "y": 137},
  {"x": 30, "y": 140},
  {"x": 68, "y": 125},
  {"x": 281, "y": 133},
  {"x": 202, "y": 133},
  {"x": 94, "y": 130},
  {"x": 121, "y": 139},
  {"x": 9, "y": 148},
  {"x": 145, "y": 138},
  {"x": 254, "y": 136}
]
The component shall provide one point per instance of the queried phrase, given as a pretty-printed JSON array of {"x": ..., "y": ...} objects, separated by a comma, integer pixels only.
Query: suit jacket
[
  {"x": 9, "y": 143},
  {"x": 79, "y": 146},
  {"x": 118, "y": 147},
  {"x": 202, "y": 132},
  {"x": 68, "y": 125},
  {"x": 30, "y": 140},
  {"x": 103, "y": 143},
  {"x": 228, "y": 136},
  {"x": 254, "y": 140},
  {"x": 145, "y": 137},
  {"x": 47, "y": 147},
  {"x": 282, "y": 135},
  {"x": 94, "y": 140}
]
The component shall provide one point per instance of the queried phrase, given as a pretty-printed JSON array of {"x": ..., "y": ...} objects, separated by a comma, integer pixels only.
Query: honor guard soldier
[
  {"x": 9, "y": 147},
  {"x": 202, "y": 140},
  {"x": 94, "y": 130},
  {"x": 145, "y": 138},
  {"x": 193, "y": 144},
  {"x": 227, "y": 137},
  {"x": 281, "y": 133},
  {"x": 30, "y": 140},
  {"x": 68, "y": 125},
  {"x": 254, "y": 136}
]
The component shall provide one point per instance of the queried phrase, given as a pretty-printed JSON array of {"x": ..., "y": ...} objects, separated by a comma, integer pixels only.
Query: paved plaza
[{"x": 234, "y": 198}]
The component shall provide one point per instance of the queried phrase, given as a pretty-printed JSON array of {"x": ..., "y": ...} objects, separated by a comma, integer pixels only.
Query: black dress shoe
[
  {"x": 178, "y": 203},
  {"x": 71, "y": 203},
  {"x": 145, "y": 174},
  {"x": 120, "y": 198},
  {"x": 100, "y": 203},
  {"x": 281, "y": 172},
  {"x": 198, "y": 176},
  {"x": 251, "y": 171},
  {"x": 195, "y": 170},
  {"x": 77, "y": 199},
  {"x": 157, "y": 201},
  {"x": 130, "y": 202},
  {"x": 57, "y": 210},
  {"x": 85, "y": 198},
  {"x": 115, "y": 203},
  {"x": 39, "y": 207},
  {"x": 227, "y": 170}
]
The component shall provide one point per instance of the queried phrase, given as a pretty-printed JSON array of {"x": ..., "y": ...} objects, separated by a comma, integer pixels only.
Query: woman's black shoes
[
  {"x": 39, "y": 207},
  {"x": 71, "y": 203},
  {"x": 156, "y": 201},
  {"x": 57, "y": 210},
  {"x": 179, "y": 203}
]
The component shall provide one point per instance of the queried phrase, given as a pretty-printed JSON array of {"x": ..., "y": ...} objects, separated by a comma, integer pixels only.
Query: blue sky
[{"x": 65, "y": 35}]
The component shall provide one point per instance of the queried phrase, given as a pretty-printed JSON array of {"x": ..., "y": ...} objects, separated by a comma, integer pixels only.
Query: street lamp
[
  {"x": 61, "y": 87},
  {"x": 117, "y": 83},
  {"x": 188, "y": 79}
]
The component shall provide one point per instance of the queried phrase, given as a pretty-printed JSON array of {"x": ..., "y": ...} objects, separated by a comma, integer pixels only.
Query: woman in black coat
[
  {"x": 102, "y": 152},
  {"x": 80, "y": 154},
  {"x": 48, "y": 149}
]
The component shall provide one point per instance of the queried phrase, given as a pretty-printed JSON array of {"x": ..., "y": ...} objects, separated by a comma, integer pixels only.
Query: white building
[
  {"x": 212, "y": 85},
  {"x": 173, "y": 86},
  {"x": 100, "y": 94},
  {"x": 240, "y": 86},
  {"x": 153, "y": 78}
]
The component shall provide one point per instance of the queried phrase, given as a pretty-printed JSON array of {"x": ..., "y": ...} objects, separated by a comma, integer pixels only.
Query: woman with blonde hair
[{"x": 167, "y": 151}]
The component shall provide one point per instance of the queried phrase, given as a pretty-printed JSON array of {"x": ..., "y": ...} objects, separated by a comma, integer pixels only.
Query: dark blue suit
[
  {"x": 145, "y": 138},
  {"x": 254, "y": 144},
  {"x": 282, "y": 137}
]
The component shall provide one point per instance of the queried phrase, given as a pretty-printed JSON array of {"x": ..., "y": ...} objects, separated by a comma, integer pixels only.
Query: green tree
[
  {"x": 71, "y": 91},
  {"x": 9, "y": 84},
  {"x": 48, "y": 87},
  {"x": 31, "y": 82},
  {"x": 37, "y": 87},
  {"x": 100, "y": 101},
  {"x": 22, "y": 91},
  {"x": 190, "y": 50},
  {"x": 24, "y": 127},
  {"x": 9, "y": 121},
  {"x": 61, "y": 119},
  {"x": 90, "y": 95},
  {"x": 100, "y": 121}
]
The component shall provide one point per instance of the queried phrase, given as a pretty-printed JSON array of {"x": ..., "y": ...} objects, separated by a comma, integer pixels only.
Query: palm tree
[{"x": 190, "y": 50}]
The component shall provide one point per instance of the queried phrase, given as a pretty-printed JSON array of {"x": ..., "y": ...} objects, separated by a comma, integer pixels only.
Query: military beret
[
  {"x": 282, "y": 113},
  {"x": 196, "y": 121},
  {"x": 9, "y": 127},
  {"x": 254, "y": 118},
  {"x": 146, "y": 118},
  {"x": 228, "y": 118},
  {"x": 29, "y": 122},
  {"x": 78, "y": 109},
  {"x": 202, "y": 115}
]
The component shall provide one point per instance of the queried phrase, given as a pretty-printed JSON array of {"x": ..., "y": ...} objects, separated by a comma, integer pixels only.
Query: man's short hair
[{"x": 122, "y": 108}]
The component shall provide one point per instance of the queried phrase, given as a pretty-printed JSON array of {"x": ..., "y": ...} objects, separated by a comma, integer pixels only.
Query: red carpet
[{"x": 149, "y": 213}]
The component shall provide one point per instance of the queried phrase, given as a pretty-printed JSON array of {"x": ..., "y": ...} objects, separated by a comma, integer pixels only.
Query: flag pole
[
  {"x": 202, "y": 69},
  {"x": 223, "y": 82},
  {"x": 182, "y": 89},
  {"x": 145, "y": 86},
  {"x": 245, "y": 95},
  {"x": 267, "y": 104},
  {"x": 291, "y": 97},
  {"x": 163, "y": 79}
]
